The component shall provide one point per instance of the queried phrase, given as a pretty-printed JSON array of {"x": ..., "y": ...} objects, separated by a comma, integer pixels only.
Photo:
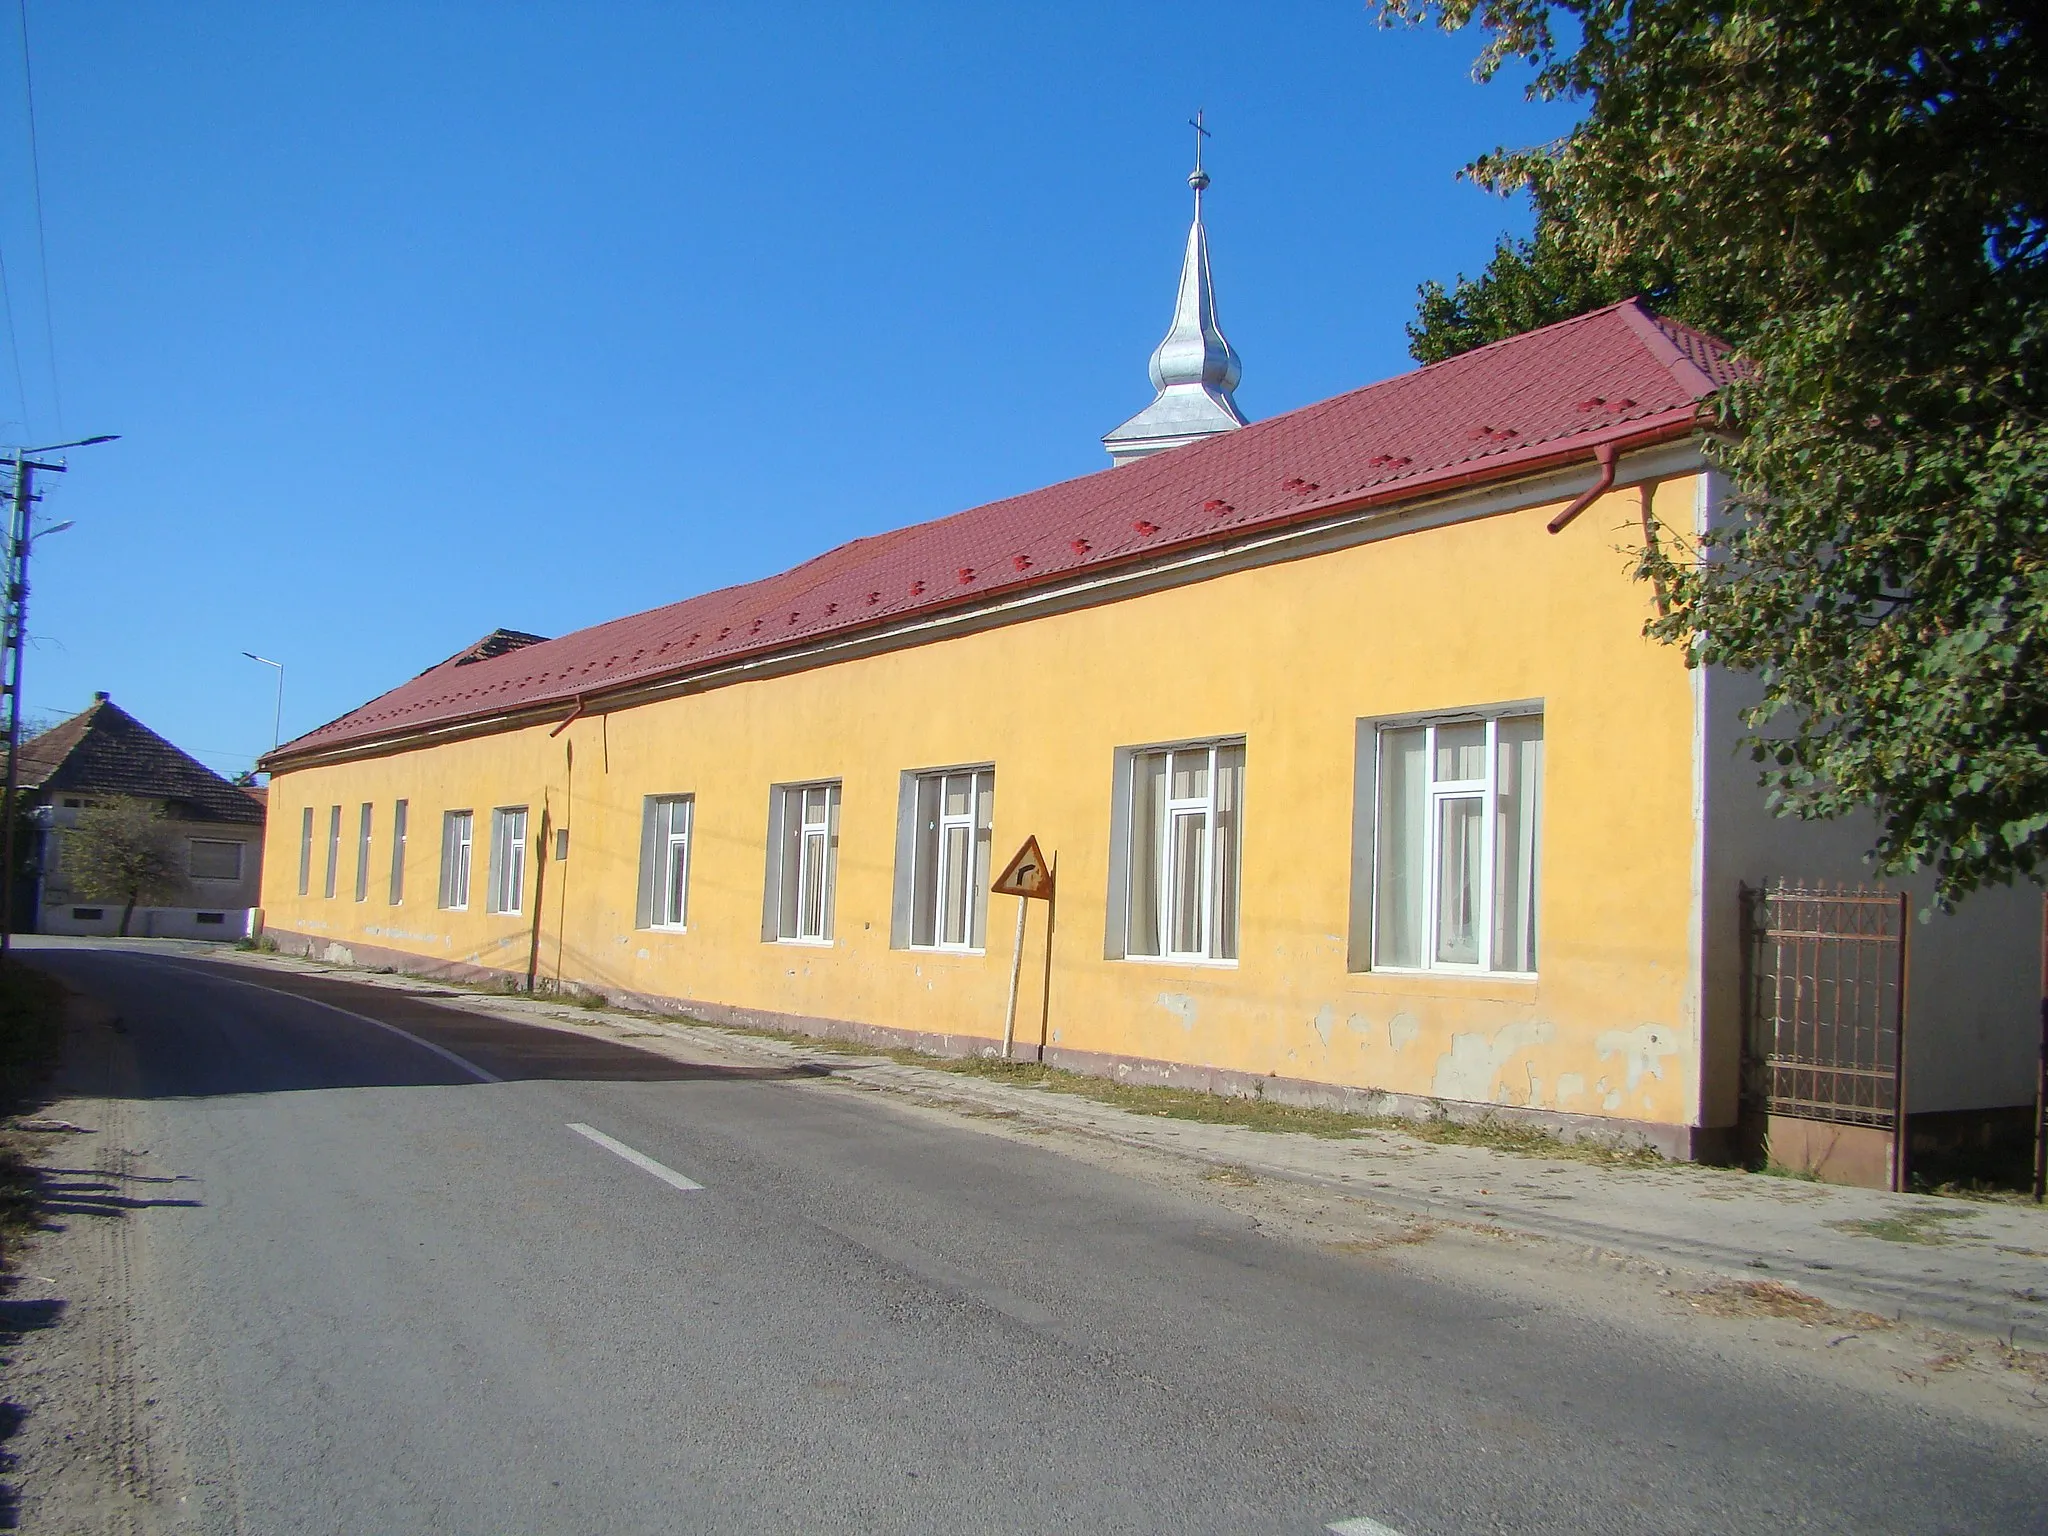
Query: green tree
[
  {"x": 1528, "y": 283},
  {"x": 1857, "y": 196},
  {"x": 123, "y": 851}
]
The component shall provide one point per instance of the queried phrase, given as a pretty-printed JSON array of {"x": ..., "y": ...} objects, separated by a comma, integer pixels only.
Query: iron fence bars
[{"x": 1826, "y": 984}]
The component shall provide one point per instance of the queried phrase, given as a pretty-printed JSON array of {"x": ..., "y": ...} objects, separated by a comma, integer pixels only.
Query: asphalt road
[{"x": 387, "y": 1295}]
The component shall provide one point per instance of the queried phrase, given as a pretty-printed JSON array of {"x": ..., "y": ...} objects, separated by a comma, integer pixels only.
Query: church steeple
[{"x": 1194, "y": 368}]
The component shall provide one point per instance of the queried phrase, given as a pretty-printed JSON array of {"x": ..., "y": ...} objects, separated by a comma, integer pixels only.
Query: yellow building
[{"x": 1361, "y": 781}]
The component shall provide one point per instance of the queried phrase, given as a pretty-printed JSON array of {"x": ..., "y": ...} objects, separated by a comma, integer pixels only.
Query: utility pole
[{"x": 13, "y": 637}]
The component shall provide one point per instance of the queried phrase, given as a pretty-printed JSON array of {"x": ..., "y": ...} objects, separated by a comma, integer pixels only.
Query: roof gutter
[
  {"x": 1608, "y": 454},
  {"x": 1666, "y": 427}
]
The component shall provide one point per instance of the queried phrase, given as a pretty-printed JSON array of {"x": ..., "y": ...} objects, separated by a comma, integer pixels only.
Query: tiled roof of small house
[
  {"x": 1513, "y": 408},
  {"x": 104, "y": 750}
]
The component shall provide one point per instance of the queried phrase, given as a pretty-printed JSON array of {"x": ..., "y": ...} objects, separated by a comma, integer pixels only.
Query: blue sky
[{"x": 422, "y": 319}]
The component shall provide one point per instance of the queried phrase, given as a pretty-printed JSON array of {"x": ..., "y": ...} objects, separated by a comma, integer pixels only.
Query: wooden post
[
  {"x": 1899, "y": 1122},
  {"x": 2041, "y": 1074},
  {"x": 1016, "y": 970}
]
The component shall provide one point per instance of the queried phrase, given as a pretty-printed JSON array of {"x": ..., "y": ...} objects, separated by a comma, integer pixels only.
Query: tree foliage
[
  {"x": 123, "y": 851},
  {"x": 1857, "y": 196},
  {"x": 1529, "y": 283}
]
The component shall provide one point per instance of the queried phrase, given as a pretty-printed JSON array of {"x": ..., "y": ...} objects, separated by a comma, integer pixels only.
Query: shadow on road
[{"x": 202, "y": 1029}]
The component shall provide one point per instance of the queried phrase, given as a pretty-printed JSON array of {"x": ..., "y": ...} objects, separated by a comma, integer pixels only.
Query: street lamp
[
  {"x": 20, "y": 537},
  {"x": 277, "y": 720}
]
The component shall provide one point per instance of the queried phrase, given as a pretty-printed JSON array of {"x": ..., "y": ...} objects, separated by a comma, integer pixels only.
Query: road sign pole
[{"x": 1016, "y": 970}]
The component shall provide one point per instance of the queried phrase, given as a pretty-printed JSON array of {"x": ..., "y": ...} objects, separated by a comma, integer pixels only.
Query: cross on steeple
[{"x": 1200, "y": 178}]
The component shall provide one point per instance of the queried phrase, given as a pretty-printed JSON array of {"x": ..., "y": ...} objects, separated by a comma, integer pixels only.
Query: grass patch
[
  {"x": 31, "y": 1034},
  {"x": 1925, "y": 1227},
  {"x": 31, "y": 1030}
]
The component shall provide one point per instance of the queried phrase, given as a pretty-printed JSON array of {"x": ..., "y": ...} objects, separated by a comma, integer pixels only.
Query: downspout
[
  {"x": 570, "y": 718},
  {"x": 1606, "y": 453}
]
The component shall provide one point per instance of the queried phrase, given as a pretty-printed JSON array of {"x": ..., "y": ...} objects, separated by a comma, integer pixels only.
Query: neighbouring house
[
  {"x": 104, "y": 754},
  {"x": 1360, "y": 782}
]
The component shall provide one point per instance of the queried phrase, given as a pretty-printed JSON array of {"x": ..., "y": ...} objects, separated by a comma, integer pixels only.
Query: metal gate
[{"x": 1826, "y": 996}]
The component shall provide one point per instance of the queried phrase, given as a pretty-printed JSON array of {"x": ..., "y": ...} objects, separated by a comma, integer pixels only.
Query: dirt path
[{"x": 89, "y": 1451}]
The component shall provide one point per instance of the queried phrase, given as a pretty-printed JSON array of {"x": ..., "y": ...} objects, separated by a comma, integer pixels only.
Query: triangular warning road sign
[{"x": 1025, "y": 875}]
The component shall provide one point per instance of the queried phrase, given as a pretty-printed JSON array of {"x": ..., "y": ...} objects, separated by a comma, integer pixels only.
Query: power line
[
  {"x": 13, "y": 346},
  {"x": 35, "y": 166}
]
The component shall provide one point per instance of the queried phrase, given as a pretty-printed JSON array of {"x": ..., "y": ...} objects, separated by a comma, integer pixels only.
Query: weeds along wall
[{"x": 1289, "y": 658}]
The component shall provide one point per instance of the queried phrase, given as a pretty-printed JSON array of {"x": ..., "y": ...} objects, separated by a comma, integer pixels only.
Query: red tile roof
[{"x": 1511, "y": 408}]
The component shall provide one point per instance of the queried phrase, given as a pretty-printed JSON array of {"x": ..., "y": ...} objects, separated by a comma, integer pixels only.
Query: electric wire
[
  {"x": 13, "y": 345},
  {"x": 35, "y": 166}
]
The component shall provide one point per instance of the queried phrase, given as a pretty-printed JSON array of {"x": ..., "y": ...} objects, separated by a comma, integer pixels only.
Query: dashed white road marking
[
  {"x": 441, "y": 1051},
  {"x": 639, "y": 1160},
  {"x": 1362, "y": 1526}
]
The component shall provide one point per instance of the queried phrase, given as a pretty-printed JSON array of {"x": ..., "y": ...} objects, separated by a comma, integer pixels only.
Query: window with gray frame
[
  {"x": 665, "y": 861},
  {"x": 507, "y": 883},
  {"x": 398, "y": 810},
  {"x": 1176, "y": 851},
  {"x": 1457, "y": 847},
  {"x": 306, "y": 851},
  {"x": 458, "y": 834},
  {"x": 363, "y": 824},
  {"x": 803, "y": 862},
  {"x": 333, "y": 848},
  {"x": 943, "y": 850},
  {"x": 214, "y": 859}
]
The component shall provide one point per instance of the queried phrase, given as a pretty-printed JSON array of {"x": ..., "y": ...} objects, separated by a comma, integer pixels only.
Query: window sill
[
  {"x": 939, "y": 950},
  {"x": 803, "y": 943},
  {"x": 1181, "y": 962},
  {"x": 666, "y": 928},
  {"x": 1502, "y": 986}
]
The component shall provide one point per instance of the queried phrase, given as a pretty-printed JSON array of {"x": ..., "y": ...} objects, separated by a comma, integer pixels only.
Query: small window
[
  {"x": 664, "y": 861},
  {"x": 363, "y": 823},
  {"x": 306, "y": 851},
  {"x": 73, "y": 805},
  {"x": 1458, "y": 813},
  {"x": 803, "y": 862},
  {"x": 209, "y": 917},
  {"x": 211, "y": 859},
  {"x": 508, "y": 859},
  {"x": 951, "y": 814},
  {"x": 398, "y": 810},
  {"x": 333, "y": 847},
  {"x": 1179, "y": 848},
  {"x": 88, "y": 914},
  {"x": 561, "y": 845},
  {"x": 458, "y": 830}
]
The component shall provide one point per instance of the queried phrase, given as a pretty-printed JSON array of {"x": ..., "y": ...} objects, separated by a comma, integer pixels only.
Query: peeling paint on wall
[
  {"x": 1402, "y": 1028},
  {"x": 1471, "y": 1068},
  {"x": 1181, "y": 1006},
  {"x": 1642, "y": 1050},
  {"x": 1570, "y": 1085},
  {"x": 1324, "y": 1023}
]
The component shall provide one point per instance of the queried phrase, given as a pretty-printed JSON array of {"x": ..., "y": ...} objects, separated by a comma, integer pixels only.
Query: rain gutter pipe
[{"x": 1607, "y": 454}]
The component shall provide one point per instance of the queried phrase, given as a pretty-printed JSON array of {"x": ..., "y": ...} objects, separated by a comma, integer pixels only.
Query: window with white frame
[
  {"x": 1181, "y": 844},
  {"x": 952, "y": 813},
  {"x": 363, "y": 823},
  {"x": 665, "y": 861},
  {"x": 508, "y": 859},
  {"x": 803, "y": 862},
  {"x": 306, "y": 851},
  {"x": 215, "y": 859},
  {"x": 333, "y": 847},
  {"x": 458, "y": 833},
  {"x": 398, "y": 810},
  {"x": 1459, "y": 842}
]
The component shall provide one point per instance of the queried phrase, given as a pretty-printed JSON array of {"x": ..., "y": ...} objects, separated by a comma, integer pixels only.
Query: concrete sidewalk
[{"x": 1977, "y": 1267}]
